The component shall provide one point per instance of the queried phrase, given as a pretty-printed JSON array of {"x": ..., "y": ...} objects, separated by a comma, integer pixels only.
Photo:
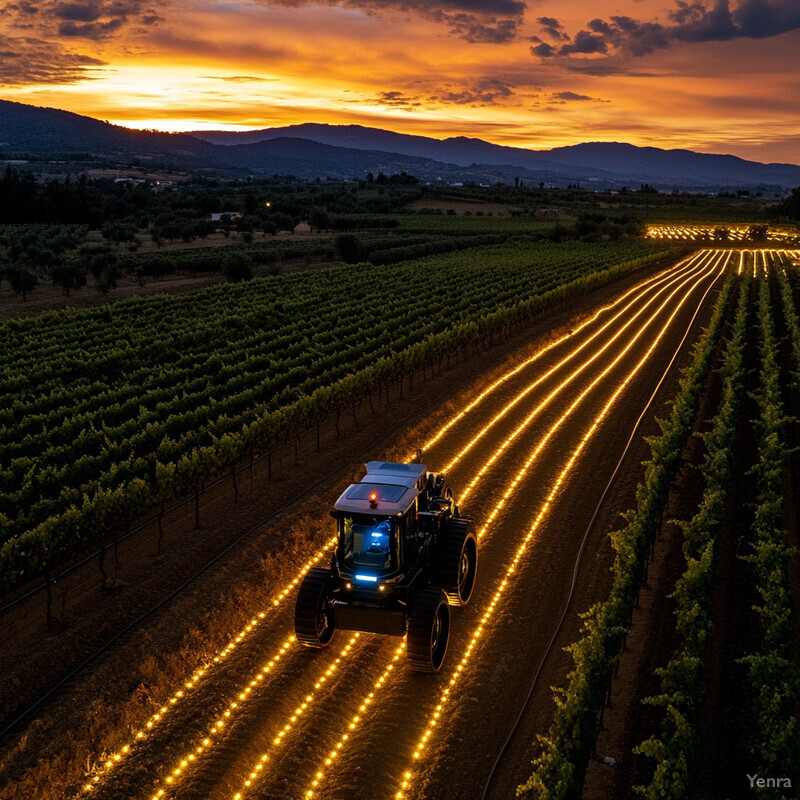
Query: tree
[
  {"x": 108, "y": 278},
  {"x": 758, "y": 233},
  {"x": 22, "y": 280},
  {"x": 69, "y": 275},
  {"x": 319, "y": 218},
  {"x": 722, "y": 234}
]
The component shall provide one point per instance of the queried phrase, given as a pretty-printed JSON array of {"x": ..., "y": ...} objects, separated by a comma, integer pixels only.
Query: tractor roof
[
  {"x": 395, "y": 487},
  {"x": 387, "y": 472}
]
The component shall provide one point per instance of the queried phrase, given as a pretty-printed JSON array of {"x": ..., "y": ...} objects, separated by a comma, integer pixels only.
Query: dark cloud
[
  {"x": 21, "y": 8},
  {"x": 475, "y": 21},
  {"x": 585, "y": 43},
  {"x": 78, "y": 12},
  {"x": 695, "y": 21},
  {"x": 96, "y": 20},
  {"x": 474, "y": 29},
  {"x": 543, "y": 50},
  {"x": 485, "y": 92},
  {"x": 25, "y": 60},
  {"x": 552, "y": 28},
  {"x": 572, "y": 96},
  {"x": 91, "y": 30}
]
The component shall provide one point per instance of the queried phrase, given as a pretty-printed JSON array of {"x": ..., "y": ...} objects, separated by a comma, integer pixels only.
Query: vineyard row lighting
[
  {"x": 115, "y": 758},
  {"x": 195, "y": 679},
  {"x": 569, "y": 379},
  {"x": 511, "y": 572},
  {"x": 238, "y": 707},
  {"x": 216, "y": 728},
  {"x": 510, "y": 491},
  {"x": 565, "y": 360},
  {"x": 511, "y": 373}
]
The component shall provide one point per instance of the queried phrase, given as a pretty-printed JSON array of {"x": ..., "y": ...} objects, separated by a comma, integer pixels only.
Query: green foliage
[
  {"x": 683, "y": 680},
  {"x": 774, "y": 675},
  {"x": 237, "y": 267}
]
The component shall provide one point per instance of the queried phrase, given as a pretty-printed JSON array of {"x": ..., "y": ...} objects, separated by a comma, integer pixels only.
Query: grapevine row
[
  {"x": 774, "y": 675},
  {"x": 683, "y": 680}
]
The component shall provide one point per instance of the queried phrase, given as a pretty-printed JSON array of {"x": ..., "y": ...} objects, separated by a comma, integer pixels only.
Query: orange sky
[{"x": 710, "y": 75}]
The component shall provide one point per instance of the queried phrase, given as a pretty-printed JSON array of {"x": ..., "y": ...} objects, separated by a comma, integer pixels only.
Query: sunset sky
[{"x": 712, "y": 75}]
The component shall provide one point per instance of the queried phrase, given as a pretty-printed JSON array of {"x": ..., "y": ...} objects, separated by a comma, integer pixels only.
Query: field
[{"x": 111, "y": 413}]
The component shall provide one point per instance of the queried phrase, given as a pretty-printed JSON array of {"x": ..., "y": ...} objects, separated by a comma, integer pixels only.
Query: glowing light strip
[
  {"x": 195, "y": 680},
  {"x": 572, "y": 376},
  {"x": 508, "y": 375},
  {"x": 433, "y": 719},
  {"x": 258, "y": 769},
  {"x": 667, "y": 280},
  {"x": 560, "y": 421},
  {"x": 355, "y": 720},
  {"x": 222, "y": 719}
]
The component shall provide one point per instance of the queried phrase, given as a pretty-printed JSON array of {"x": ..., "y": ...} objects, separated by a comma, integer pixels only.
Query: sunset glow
[{"x": 715, "y": 76}]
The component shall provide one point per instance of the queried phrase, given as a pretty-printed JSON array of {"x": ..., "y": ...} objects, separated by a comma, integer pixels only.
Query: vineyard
[
  {"x": 105, "y": 414},
  {"x": 112, "y": 412}
]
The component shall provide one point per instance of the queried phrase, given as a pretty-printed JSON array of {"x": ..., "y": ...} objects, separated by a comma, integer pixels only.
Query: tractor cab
[{"x": 376, "y": 524}]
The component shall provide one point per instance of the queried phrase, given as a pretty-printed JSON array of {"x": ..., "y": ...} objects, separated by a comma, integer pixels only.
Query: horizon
[
  {"x": 211, "y": 128},
  {"x": 711, "y": 77}
]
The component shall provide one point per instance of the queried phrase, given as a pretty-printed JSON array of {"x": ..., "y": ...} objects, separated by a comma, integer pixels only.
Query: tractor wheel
[
  {"x": 456, "y": 562},
  {"x": 313, "y": 623},
  {"x": 428, "y": 630}
]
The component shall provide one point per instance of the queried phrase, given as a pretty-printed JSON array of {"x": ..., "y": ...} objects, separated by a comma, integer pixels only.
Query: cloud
[
  {"x": 695, "y": 21},
  {"x": 239, "y": 78},
  {"x": 400, "y": 100},
  {"x": 474, "y": 21},
  {"x": 485, "y": 92},
  {"x": 572, "y": 96},
  {"x": 26, "y": 60},
  {"x": 94, "y": 20},
  {"x": 552, "y": 28}
]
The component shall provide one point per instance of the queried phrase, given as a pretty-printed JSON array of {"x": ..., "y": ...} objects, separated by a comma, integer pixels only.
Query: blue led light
[{"x": 370, "y": 578}]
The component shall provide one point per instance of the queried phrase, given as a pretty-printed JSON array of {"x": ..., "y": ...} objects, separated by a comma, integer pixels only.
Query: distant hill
[
  {"x": 48, "y": 132},
  {"x": 315, "y": 150},
  {"x": 593, "y": 161}
]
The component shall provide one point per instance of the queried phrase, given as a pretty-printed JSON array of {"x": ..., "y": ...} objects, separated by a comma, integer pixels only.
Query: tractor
[{"x": 404, "y": 555}]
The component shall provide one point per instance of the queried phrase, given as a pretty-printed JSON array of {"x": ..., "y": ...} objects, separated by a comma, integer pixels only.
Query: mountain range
[{"x": 312, "y": 150}]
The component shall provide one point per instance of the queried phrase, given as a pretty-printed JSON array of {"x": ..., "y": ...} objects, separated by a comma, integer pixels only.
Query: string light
[
  {"x": 511, "y": 373},
  {"x": 668, "y": 279},
  {"x": 195, "y": 679},
  {"x": 572, "y": 376},
  {"x": 512, "y": 569}
]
